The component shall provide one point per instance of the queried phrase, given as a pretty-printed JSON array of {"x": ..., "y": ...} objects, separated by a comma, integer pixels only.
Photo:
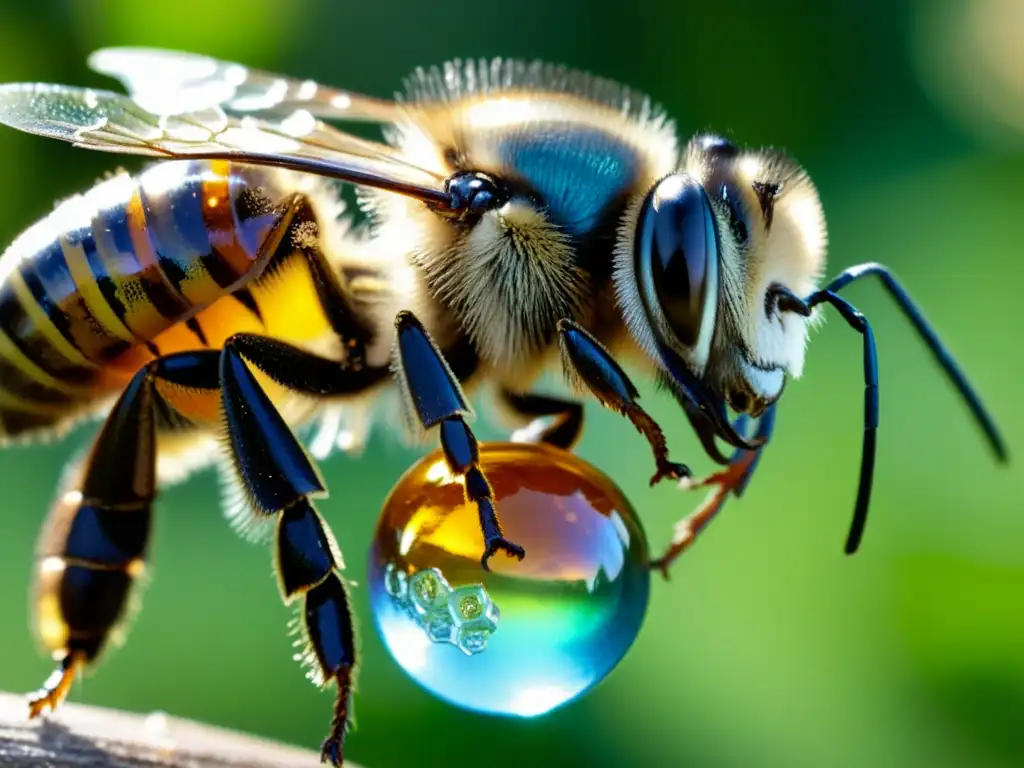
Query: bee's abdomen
[{"x": 113, "y": 268}]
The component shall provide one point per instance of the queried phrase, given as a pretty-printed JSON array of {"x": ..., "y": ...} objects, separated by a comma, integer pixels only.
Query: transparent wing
[
  {"x": 113, "y": 122},
  {"x": 171, "y": 82}
]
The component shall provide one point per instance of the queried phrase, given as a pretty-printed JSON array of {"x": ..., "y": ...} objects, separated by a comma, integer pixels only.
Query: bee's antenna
[{"x": 858, "y": 322}]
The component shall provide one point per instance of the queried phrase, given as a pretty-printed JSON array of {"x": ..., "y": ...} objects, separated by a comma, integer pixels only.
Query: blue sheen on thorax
[{"x": 577, "y": 171}]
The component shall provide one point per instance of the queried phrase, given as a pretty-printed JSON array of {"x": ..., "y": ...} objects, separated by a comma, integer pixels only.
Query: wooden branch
[{"x": 77, "y": 736}]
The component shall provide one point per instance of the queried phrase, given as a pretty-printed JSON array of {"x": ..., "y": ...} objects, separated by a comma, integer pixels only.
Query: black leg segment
[
  {"x": 584, "y": 357},
  {"x": 278, "y": 477},
  {"x": 273, "y": 468},
  {"x": 94, "y": 543},
  {"x": 303, "y": 372},
  {"x": 552, "y": 420},
  {"x": 334, "y": 295},
  {"x": 434, "y": 397}
]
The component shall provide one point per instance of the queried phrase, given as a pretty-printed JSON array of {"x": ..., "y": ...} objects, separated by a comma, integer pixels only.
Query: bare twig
[{"x": 77, "y": 736}]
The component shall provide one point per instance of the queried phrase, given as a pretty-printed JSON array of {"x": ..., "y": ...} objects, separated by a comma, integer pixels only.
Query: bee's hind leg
[
  {"x": 733, "y": 479},
  {"x": 551, "y": 420},
  {"x": 93, "y": 545},
  {"x": 434, "y": 398}
]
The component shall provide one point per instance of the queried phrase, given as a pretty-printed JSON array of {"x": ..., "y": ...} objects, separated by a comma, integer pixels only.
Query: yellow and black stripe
[{"x": 107, "y": 272}]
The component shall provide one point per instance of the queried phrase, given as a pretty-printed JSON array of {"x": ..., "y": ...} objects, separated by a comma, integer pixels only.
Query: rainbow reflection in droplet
[{"x": 528, "y": 636}]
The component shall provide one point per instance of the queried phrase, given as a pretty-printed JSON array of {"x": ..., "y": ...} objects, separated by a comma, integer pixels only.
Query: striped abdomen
[{"x": 107, "y": 271}]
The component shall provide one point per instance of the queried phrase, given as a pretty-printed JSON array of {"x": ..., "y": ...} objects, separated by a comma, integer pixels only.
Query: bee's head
[{"x": 708, "y": 260}]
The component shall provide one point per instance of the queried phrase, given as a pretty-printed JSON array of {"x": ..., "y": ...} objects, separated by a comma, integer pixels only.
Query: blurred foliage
[{"x": 769, "y": 647}]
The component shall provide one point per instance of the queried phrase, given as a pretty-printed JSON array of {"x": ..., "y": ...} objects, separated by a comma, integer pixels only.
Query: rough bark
[{"x": 77, "y": 736}]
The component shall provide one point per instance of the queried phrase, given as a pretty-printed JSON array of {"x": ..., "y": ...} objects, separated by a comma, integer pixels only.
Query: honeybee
[{"x": 518, "y": 217}]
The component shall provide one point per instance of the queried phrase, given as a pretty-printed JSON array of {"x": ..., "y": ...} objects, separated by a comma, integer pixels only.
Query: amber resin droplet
[{"x": 528, "y": 636}]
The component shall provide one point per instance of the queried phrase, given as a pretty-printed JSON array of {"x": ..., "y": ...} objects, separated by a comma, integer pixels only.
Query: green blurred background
[{"x": 769, "y": 647}]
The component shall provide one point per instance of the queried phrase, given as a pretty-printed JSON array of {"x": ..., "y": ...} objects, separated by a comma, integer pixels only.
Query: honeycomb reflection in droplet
[{"x": 528, "y": 636}]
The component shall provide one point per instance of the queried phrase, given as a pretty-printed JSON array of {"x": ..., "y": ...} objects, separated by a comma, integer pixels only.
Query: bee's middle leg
[
  {"x": 434, "y": 397},
  {"x": 278, "y": 480}
]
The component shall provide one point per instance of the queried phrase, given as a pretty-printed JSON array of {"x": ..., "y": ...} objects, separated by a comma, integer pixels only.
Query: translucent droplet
[{"x": 528, "y": 636}]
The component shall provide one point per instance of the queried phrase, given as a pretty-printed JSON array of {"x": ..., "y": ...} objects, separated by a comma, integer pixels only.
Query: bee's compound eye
[
  {"x": 676, "y": 255},
  {"x": 529, "y": 635}
]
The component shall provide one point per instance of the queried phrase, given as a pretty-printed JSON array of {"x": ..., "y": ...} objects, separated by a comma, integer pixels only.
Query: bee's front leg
[
  {"x": 433, "y": 397},
  {"x": 590, "y": 362},
  {"x": 733, "y": 479}
]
